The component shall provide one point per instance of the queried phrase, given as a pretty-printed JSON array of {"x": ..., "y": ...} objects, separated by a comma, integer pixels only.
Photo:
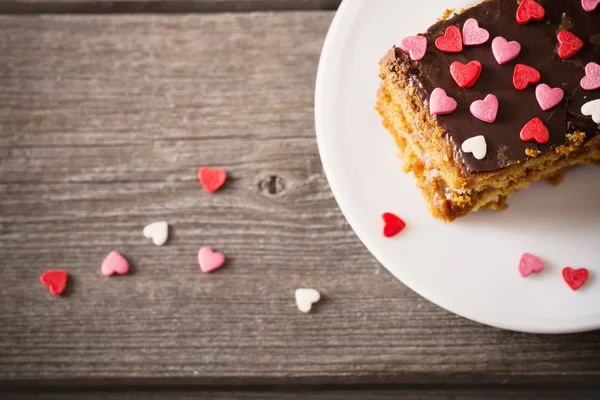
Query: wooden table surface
[{"x": 107, "y": 110}]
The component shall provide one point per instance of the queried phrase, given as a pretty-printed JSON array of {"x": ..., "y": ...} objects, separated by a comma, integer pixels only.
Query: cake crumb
[
  {"x": 576, "y": 139},
  {"x": 555, "y": 179},
  {"x": 447, "y": 14},
  {"x": 532, "y": 152}
]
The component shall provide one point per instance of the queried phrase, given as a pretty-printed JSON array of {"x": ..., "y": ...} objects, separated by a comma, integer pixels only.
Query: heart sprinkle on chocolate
[
  {"x": 451, "y": 42},
  {"x": 536, "y": 130}
]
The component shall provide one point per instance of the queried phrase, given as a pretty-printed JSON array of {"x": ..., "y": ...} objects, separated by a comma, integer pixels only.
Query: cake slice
[{"x": 521, "y": 112}]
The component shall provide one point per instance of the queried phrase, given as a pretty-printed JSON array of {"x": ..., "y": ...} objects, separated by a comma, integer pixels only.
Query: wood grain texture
[
  {"x": 104, "y": 121},
  {"x": 406, "y": 394},
  {"x": 160, "y": 6}
]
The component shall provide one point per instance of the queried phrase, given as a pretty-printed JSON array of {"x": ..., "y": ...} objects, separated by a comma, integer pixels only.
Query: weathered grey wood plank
[
  {"x": 103, "y": 124},
  {"x": 160, "y": 6},
  {"x": 405, "y": 394}
]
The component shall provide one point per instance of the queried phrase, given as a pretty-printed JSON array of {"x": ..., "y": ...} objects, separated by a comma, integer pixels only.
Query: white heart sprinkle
[
  {"x": 592, "y": 108},
  {"x": 305, "y": 298},
  {"x": 158, "y": 232},
  {"x": 476, "y": 145}
]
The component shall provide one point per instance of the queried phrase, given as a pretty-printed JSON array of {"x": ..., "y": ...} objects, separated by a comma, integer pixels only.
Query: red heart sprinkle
[
  {"x": 393, "y": 225},
  {"x": 528, "y": 10},
  {"x": 575, "y": 278},
  {"x": 524, "y": 75},
  {"x": 451, "y": 42},
  {"x": 570, "y": 44},
  {"x": 465, "y": 75},
  {"x": 211, "y": 179},
  {"x": 535, "y": 129},
  {"x": 56, "y": 281}
]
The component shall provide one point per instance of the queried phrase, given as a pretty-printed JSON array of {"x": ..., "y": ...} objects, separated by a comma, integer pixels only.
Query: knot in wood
[{"x": 272, "y": 186}]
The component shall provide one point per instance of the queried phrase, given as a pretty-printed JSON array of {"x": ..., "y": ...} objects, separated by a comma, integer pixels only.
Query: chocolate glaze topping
[{"x": 539, "y": 50}]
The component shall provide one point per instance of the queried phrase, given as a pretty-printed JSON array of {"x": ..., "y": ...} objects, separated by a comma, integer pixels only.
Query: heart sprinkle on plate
[
  {"x": 114, "y": 263},
  {"x": 56, "y": 280},
  {"x": 305, "y": 298},
  {"x": 530, "y": 264},
  {"x": 575, "y": 278},
  {"x": 157, "y": 231},
  {"x": 392, "y": 224}
]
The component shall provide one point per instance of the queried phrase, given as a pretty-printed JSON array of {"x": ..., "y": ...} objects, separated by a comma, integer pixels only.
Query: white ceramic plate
[{"x": 468, "y": 267}]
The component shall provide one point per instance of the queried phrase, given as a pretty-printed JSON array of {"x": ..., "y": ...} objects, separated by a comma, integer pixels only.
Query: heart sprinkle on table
[
  {"x": 530, "y": 10},
  {"x": 476, "y": 145},
  {"x": 485, "y": 110},
  {"x": 592, "y": 109},
  {"x": 575, "y": 278},
  {"x": 505, "y": 51},
  {"x": 440, "y": 103},
  {"x": 55, "y": 280},
  {"x": 529, "y": 264},
  {"x": 465, "y": 75},
  {"x": 570, "y": 44},
  {"x": 547, "y": 97},
  {"x": 535, "y": 129},
  {"x": 451, "y": 42},
  {"x": 392, "y": 224},
  {"x": 416, "y": 46},
  {"x": 211, "y": 179},
  {"x": 114, "y": 263},
  {"x": 157, "y": 231},
  {"x": 472, "y": 34},
  {"x": 210, "y": 260},
  {"x": 524, "y": 75},
  {"x": 305, "y": 298},
  {"x": 591, "y": 80}
]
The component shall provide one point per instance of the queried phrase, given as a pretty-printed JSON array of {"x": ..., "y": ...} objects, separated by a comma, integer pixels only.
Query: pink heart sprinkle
[
  {"x": 505, "y": 51},
  {"x": 416, "y": 46},
  {"x": 485, "y": 110},
  {"x": 529, "y": 264},
  {"x": 589, "y": 5},
  {"x": 210, "y": 260},
  {"x": 472, "y": 34},
  {"x": 114, "y": 263},
  {"x": 440, "y": 103},
  {"x": 548, "y": 98},
  {"x": 591, "y": 80}
]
